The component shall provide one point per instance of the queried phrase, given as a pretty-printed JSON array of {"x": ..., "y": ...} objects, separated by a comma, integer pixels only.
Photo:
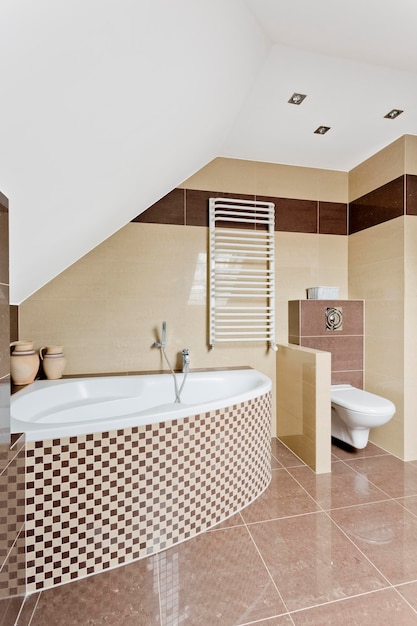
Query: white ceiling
[
  {"x": 107, "y": 105},
  {"x": 356, "y": 62}
]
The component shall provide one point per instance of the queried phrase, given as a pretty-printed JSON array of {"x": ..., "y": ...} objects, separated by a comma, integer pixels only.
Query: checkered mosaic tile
[
  {"x": 94, "y": 502},
  {"x": 12, "y": 518}
]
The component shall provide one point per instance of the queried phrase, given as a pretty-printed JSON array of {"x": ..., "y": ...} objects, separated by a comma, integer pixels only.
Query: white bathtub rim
[{"x": 34, "y": 431}]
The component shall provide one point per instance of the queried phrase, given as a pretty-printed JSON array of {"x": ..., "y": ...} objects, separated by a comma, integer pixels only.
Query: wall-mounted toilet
[{"x": 355, "y": 411}]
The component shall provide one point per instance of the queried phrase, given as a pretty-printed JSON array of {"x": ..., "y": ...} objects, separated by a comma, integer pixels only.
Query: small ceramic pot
[
  {"x": 24, "y": 362},
  {"x": 53, "y": 361}
]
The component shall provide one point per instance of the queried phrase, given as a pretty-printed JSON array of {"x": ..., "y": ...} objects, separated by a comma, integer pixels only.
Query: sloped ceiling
[{"x": 108, "y": 104}]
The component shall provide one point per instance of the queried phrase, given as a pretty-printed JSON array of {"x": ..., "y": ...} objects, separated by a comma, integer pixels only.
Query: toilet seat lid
[{"x": 361, "y": 401}]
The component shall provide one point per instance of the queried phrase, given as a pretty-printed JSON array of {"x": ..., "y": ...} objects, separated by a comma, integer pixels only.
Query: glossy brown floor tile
[
  {"x": 345, "y": 452},
  {"x": 409, "y": 503},
  {"x": 394, "y": 477},
  {"x": 127, "y": 595},
  {"x": 282, "y": 454},
  {"x": 282, "y": 620},
  {"x": 234, "y": 520},
  {"x": 217, "y": 578},
  {"x": 342, "y": 487},
  {"x": 311, "y": 560},
  {"x": 27, "y": 610},
  {"x": 337, "y": 548},
  {"x": 387, "y": 534},
  {"x": 409, "y": 592},
  {"x": 382, "y": 608},
  {"x": 9, "y": 610},
  {"x": 282, "y": 498}
]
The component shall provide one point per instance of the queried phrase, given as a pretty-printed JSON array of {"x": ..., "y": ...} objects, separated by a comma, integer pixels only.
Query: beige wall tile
[
  {"x": 390, "y": 436},
  {"x": 287, "y": 181},
  {"x": 384, "y": 355},
  {"x": 333, "y": 186},
  {"x": 376, "y": 274},
  {"x": 270, "y": 179},
  {"x": 323, "y": 413},
  {"x": 79, "y": 325},
  {"x": 297, "y": 250},
  {"x": 384, "y": 241},
  {"x": 231, "y": 175},
  {"x": 304, "y": 260},
  {"x": 333, "y": 263},
  {"x": 410, "y": 254},
  {"x": 410, "y": 337},
  {"x": 410, "y": 369},
  {"x": 410, "y": 154},
  {"x": 410, "y": 343},
  {"x": 385, "y": 319},
  {"x": 303, "y": 404},
  {"x": 84, "y": 279},
  {"x": 382, "y": 167},
  {"x": 410, "y": 434},
  {"x": 377, "y": 280}
]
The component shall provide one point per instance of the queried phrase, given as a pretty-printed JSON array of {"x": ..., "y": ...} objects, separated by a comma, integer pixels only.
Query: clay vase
[
  {"x": 24, "y": 362},
  {"x": 53, "y": 361}
]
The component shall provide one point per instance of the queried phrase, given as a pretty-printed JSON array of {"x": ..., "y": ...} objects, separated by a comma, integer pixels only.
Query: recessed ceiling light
[
  {"x": 322, "y": 130},
  {"x": 393, "y": 114},
  {"x": 297, "y": 98}
]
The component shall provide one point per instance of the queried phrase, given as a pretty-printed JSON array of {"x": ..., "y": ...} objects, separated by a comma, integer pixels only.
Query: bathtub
[
  {"x": 49, "y": 409},
  {"x": 117, "y": 471}
]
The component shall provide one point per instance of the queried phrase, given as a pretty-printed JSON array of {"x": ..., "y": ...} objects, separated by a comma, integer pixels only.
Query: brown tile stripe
[
  {"x": 4, "y": 203},
  {"x": 189, "y": 207},
  {"x": 380, "y": 205},
  {"x": 333, "y": 218},
  {"x": 411, "y": 194},
  {"x": 94, "y": 502}
]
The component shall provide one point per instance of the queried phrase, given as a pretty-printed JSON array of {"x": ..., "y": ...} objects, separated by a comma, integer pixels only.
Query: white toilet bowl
[{"x": 355, "y": 411}]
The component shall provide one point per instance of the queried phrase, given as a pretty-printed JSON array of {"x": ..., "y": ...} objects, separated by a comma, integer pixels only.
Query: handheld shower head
[{"x": 162, "y": 343}]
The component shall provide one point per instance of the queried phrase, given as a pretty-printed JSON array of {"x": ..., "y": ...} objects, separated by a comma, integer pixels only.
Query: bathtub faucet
[{"x": 185, "y": 359}]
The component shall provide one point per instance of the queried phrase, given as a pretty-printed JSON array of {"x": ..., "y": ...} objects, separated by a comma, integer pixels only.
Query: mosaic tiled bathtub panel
[
  {"x": 12, "y": 519},
  {"x": 94, "y": 502}
]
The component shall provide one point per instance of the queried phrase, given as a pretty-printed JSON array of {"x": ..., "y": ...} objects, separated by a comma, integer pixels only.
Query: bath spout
[{"x": 185, "y": 359}]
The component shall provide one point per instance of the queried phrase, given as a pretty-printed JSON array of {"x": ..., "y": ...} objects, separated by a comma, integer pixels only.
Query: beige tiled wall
[
  {"x": 376, "y": 274},
  {"x": 303, "y": 261},
  {"x": 107, "y": 308},
  {"x": 271, "y": 179},
  {"x": 382, "y": 271},
  {"x": 410, "y": 339},
  {"x": 379, "y": 169},
  {"x": 410, "y": 154},
  {"x": 303, "y": 404}
]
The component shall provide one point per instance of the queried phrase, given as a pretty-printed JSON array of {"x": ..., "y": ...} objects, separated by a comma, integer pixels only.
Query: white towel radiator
[{"x": 241, "y": 271}]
